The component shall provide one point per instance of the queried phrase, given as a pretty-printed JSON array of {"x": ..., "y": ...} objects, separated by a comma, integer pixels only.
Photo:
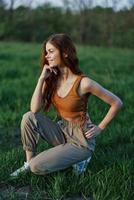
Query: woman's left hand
[{"x": 93, "y": 132}]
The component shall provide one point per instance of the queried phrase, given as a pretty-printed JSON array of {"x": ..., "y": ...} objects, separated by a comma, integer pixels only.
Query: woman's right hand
[{"x": 47, "y": 70}]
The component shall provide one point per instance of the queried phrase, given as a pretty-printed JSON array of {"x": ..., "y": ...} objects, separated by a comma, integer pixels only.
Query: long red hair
[{"x": 65, "y": 45}]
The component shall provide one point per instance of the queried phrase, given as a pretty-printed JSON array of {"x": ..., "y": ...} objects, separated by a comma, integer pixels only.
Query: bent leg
[
  {"x": 58, "y": 158},
  {"x": 35, "y": 125}
]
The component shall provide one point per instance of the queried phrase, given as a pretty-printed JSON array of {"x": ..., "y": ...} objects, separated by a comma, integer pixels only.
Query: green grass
[{"x": 110, "y": 172}]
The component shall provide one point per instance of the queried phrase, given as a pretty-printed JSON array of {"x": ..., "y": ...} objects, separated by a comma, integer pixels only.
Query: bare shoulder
[
  {"x": 85, "y": 81},
  {"x": 88, "y": 85},
  {"x": 85, "y": 84}
]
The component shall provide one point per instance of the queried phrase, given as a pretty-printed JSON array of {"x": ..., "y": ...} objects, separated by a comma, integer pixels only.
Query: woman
[{"x": 64, "y": 86}]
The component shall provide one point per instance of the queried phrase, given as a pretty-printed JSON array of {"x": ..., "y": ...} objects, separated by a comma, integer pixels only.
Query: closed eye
[{"x": 50, "y": 51}]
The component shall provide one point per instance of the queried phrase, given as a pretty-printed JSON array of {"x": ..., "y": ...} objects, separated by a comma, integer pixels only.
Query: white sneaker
[
  {"x": 81, "y": 166},
  {"x": 24, "y": 168}
]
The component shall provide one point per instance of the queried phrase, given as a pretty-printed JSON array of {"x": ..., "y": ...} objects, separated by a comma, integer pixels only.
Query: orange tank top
[{"x": 72, "y": 105}]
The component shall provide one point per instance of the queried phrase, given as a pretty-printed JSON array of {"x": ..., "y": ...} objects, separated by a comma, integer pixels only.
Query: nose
[{"x": 47, "y": 56}]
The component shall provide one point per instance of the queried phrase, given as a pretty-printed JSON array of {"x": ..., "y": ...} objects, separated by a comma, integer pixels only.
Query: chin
[{"x": 57, "y": 65}]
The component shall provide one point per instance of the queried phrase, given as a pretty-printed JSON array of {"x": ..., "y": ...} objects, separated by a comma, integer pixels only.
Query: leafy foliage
[{"x": 93, "y": 26}]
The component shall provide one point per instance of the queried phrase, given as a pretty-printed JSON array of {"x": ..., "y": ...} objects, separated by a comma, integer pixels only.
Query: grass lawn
[{"x": 110, "y": 173}]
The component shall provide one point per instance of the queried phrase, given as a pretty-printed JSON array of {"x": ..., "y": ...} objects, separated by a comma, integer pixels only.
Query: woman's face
[{"x": 52, "y": 55}]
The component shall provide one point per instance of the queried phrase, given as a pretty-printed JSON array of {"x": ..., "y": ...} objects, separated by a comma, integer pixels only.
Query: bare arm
[
  {"x": 88, "y": 85},
  {"x": 37, "y": 98}
]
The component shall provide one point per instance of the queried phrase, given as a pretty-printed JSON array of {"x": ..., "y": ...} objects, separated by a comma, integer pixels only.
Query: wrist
[
  {"x": 41, "y": 79},
  {"x": 101, "y": 127}
]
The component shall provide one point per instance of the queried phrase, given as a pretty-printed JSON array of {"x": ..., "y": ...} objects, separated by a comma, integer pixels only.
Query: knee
[
  {"x": 35, "y": 167},
  {"x": 28, "y": 116},
  {"x": 38, "y": 167}
]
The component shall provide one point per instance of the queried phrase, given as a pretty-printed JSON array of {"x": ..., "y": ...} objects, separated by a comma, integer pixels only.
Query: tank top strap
[{"x": 77, "y": 82}]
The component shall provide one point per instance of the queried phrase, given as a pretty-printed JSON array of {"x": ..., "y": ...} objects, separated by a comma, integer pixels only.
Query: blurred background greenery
[
  {"x": 86, "y": 21},
  {"x": 105, "y": 40}
]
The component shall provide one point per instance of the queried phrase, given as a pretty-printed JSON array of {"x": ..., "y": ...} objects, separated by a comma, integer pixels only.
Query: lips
[{"x": 50, "y": 60}]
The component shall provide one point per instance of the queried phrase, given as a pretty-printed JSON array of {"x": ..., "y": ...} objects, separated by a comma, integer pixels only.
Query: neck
[{"x": 65, "y": 73}]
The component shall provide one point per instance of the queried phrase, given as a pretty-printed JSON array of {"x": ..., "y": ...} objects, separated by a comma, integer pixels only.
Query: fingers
[
  {"x": 93, "y": 132},
  {"x": 51, "y": 69},
  {"x": 54, "y": 71},
  {"x": 90, "y": 133}
]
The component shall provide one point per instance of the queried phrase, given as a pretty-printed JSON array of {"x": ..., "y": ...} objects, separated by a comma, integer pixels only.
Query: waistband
[{"x": 75, "y": 122}]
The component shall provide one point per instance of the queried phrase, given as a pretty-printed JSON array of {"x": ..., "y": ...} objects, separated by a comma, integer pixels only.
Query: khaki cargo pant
[{"x": 66, "y": 147}]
